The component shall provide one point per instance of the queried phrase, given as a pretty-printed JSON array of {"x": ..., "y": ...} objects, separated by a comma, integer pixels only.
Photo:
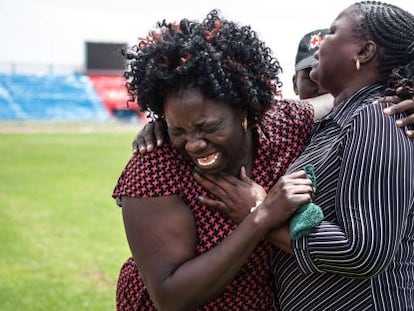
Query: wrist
[
  {"x": 256, "y": 206},
  {"x": 261, "y": 219}
]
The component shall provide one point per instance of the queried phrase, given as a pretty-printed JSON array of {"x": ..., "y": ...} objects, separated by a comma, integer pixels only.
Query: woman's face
[
  {"x": 207, "y": 131},
  {"x": 337, "y": 54}
]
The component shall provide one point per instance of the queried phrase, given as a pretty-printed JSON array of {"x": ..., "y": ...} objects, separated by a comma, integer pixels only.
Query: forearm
[
  {"x": 280, "y": 237},
  {"x": 333, "y": 249},
  {"x": 206, "y": 276},
  {"x": 195, "y": 279},
  {"x": 322, "y": 105}
]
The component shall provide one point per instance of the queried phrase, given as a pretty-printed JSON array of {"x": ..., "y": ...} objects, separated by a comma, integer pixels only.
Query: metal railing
[{"x": 40, "y": 68}]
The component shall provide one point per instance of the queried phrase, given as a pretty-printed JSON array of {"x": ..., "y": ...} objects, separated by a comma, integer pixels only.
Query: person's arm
[
  {"x": 153, "y": 134},
  {"x": 374, "y": 196},
  {"x": 237, "y": 197},
  {"x": 162, "y": 238},
  {"x": 321, "y": 105},
  {"x": 280, "y": 237}
]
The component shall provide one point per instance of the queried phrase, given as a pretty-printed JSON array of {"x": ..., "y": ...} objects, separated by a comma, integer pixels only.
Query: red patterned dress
[{"x": 280, "y": 138}]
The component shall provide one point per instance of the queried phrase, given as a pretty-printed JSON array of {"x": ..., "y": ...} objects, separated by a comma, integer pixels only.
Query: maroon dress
[{"x": 281, "y": 135}]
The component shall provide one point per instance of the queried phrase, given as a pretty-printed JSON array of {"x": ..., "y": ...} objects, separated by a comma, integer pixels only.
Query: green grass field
[{"x": 62, "y": 241}]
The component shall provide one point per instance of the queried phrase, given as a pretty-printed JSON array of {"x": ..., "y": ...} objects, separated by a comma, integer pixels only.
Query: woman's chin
[
  {"x": 211, "y": 170},
  {"x": 218, "y": 167}
]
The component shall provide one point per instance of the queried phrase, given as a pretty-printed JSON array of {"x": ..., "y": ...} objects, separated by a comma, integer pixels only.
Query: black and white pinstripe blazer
[{"x": 361, "y": 257}]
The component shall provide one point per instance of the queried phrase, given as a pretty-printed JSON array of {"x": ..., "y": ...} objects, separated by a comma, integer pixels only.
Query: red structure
[{"x": 111, "y": 90}]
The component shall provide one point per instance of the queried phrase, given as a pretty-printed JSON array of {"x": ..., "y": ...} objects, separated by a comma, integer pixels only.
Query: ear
[
  {"x": 367, "y": 52},
  {"x": 295, "y": 87}
]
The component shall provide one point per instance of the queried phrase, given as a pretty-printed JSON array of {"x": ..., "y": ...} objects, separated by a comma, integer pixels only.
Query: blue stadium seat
[{"x": 33, "y": 97}]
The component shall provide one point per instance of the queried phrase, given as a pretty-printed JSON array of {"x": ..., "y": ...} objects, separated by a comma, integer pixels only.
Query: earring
[
  {"x": 357, "y": 65},
  {"x": 244, "y": 124}
]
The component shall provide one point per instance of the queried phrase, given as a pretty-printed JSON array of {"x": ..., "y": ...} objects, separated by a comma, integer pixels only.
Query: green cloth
[{"x": 309, "y": 215}]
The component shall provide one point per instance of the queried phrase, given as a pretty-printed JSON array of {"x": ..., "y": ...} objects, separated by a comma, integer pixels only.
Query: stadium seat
[{"x": 47, "y": 97}]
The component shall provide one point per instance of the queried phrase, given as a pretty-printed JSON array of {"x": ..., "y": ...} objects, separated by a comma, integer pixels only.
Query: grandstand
[
  {"x": 98, "y": 94},
  {"x": 48, "y": 97}
]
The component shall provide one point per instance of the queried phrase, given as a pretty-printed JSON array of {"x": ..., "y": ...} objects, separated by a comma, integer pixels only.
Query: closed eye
[
  {"x": 175, "y": 131},
  {"x": 211, "y": 128}
]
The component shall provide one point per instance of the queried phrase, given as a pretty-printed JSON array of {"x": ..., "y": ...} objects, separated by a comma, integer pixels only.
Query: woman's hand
[
  {"x": 151, "y": 135},
  {"x": 400, "y": 105},
  {"x": 284, "y": 198},
  {"x": 236, "y": 196}
]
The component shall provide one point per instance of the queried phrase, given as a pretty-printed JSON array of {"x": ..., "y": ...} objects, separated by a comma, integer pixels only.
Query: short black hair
[
  {"x": 227, "y": 62},
  {"x": 392, "y": 29}
]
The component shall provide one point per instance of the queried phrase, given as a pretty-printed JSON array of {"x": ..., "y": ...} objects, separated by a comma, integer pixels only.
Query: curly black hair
[
  {"x": 392, "y": 29},
  {"x": 227, "y": 62}
]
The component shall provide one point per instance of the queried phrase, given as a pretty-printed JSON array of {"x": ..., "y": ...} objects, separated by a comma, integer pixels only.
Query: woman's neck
[
  {"x": 344, "y": 94},
  {"x": 354, "y": 86}
]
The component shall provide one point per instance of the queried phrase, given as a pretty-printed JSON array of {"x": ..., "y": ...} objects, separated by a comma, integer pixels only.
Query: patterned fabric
[
  {"x": 281, "y": 136},
  {"x": 361, "y": 257}
]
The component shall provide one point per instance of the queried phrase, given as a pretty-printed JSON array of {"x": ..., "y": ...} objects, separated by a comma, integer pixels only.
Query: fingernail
[
  {"x": 200, "y": 198},
  {"x": 159, "y": 142},
  {"x": 409, "y": 133},
  {"x": 150, "y": 147},
  {"x": 196, "y": 175},
  {"x": 399, "y": 123},
  {"x": 388, "y": 111},
  {"x": 375, "y": 101},
  {"x": 141, "y": 150},
  {"x": 134, "y": 150}
]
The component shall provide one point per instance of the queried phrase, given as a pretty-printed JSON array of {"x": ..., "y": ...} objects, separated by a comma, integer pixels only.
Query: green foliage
[{"x": 62, "y": 241}]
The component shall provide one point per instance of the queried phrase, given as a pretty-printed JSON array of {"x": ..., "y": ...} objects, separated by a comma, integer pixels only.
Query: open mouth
[{"x": 208, "y": 161}]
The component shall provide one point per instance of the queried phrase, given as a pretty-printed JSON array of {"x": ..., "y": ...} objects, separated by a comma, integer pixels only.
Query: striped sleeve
[{"x": 374, "y": 197}]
